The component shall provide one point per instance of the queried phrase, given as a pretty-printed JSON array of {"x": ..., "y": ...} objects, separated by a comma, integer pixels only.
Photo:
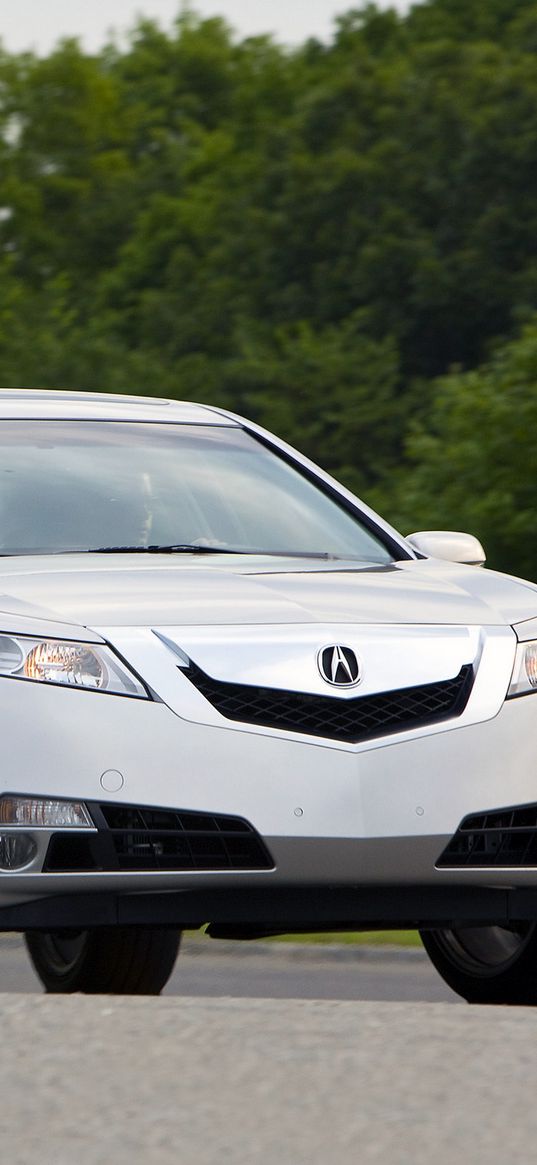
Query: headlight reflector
[
  {"x": 79, "y": 665},
  {"x": 64, "y": 663},
  {"x": 11, "y": 655},
  {"x": 524, "y": 678},
  {"x": 530, "y": 663}
]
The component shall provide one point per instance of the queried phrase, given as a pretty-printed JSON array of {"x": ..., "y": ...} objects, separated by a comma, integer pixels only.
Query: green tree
[
  {"x": 333, "y": 393},
  {"x": 313, "y": 235},
  {"x": 472, "y": 467}
]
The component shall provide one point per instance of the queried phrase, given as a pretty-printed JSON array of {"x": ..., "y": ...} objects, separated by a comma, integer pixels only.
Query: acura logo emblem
[{"x": 339, "y": 666}]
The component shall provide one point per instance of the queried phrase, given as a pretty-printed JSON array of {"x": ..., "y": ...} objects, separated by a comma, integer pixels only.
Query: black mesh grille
[
  {"x": 136, "y": 838},
  {"x": 350, "y": 720},
  {"x": 505, "y": 837}
]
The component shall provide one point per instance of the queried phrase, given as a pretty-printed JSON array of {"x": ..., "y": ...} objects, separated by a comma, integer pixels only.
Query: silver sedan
[{"x": 231, "y": 694}]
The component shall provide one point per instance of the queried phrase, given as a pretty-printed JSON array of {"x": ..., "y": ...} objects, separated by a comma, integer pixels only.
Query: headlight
[
  {"x": 66, "y": 663},
  {"x": 78, "y": 665},
  {"x": 524, "y": 678}
]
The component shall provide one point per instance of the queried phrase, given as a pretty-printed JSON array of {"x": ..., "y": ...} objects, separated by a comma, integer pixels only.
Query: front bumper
[
  {"x": 353, "y": 831},
  {"x": 376, "y": 815}
]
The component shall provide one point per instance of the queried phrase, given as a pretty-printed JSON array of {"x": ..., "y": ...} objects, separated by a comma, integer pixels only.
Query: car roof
[{"x": 44, "y": 404}]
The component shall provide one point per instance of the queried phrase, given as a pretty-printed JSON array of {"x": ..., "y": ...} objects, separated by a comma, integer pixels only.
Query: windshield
[{"x": 87, "y": 485}]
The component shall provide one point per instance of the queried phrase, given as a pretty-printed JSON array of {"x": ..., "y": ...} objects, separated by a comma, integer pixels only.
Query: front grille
[
  {"x": 138, "y": 838},
  {"x": 505, "y": 837},
  {"x": 351, "y": 720}
]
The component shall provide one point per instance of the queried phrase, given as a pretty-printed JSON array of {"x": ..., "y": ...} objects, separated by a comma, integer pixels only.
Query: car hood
[{"x": 94, "y": 591}]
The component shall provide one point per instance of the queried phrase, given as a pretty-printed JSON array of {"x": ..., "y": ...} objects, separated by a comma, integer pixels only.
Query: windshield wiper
[
  {"x": 191, "y": 548},
  {"x": 202, "y": 548},
  {"x": 206, "y": 548},
  {"x": 174, "y": 548}
]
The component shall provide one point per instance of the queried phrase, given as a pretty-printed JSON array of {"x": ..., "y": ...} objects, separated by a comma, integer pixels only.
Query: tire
[
  {"x": 118, "y": 961},
  {"x": 487, "y": 964}
]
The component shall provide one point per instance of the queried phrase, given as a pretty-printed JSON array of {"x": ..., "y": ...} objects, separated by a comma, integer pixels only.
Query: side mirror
[{"x": 449, "y": 544}]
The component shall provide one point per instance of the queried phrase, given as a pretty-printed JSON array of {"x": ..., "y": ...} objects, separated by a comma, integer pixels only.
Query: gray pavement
[
  {"x": 212, "y": 968},
  {"x": 288, "y": 971},
  {"x": 284, "y": 1082}
]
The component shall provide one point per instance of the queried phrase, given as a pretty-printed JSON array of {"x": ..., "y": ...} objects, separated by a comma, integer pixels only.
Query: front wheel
[
  {"x": 487, "y": 964},
  {"x": 118, "y": 961}
]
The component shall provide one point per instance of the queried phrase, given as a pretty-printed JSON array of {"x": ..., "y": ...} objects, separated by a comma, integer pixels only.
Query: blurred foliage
[
  {"x": 472, "y": 461},
  {"x": 337, "y": 239}
]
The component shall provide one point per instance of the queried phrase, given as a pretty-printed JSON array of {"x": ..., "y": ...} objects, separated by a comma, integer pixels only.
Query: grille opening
[
  {"x": 501, "y": 838},
  {"x": 138, "y": 838},
  {"x": 351, "y": 720}
]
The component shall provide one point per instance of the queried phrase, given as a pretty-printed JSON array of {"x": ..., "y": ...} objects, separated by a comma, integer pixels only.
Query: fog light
[
  {"x": 43, "y": 813},
  {"x": 16, "y": 850}
]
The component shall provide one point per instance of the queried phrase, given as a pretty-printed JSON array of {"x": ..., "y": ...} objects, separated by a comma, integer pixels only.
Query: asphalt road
[
  {"x": 211, "y": 968},
  {"x": 321, "y": 1072},
  {"x": 95, "y": 1080}
]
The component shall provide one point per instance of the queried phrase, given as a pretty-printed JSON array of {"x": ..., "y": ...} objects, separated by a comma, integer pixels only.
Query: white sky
[{"x": 38, "y": 24}]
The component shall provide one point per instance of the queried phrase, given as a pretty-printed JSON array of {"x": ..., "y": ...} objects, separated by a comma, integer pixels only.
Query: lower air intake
[
  {"x": 501, "y": 839},
  {"x": 141, "y": 839}
]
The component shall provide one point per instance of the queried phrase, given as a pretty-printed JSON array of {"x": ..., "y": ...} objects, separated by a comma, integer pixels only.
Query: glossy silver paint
[{"x": 451, "y": 545}]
